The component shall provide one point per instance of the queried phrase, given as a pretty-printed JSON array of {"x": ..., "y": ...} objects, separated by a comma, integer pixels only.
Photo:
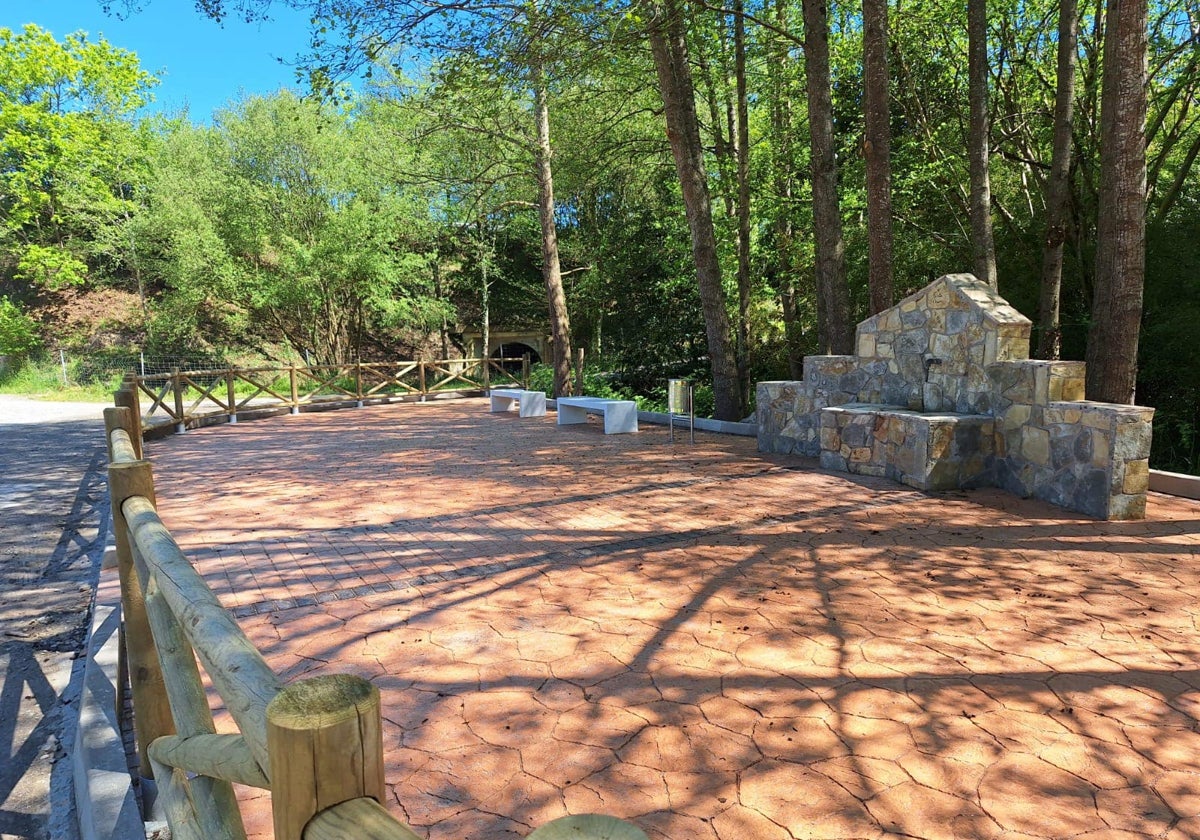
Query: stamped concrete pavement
[
  {"x": 714, "y": 644},
  {"x": 53, "y": 524}
]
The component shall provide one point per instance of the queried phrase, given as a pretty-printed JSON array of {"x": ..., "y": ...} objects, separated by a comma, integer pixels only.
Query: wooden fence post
[
  {"x": 358, "y": 382},
  {"x": 295, "y": 389},
  {"x": 422, "y": 365},
  {"x": 325, "y": 741},
  {"x": 123, "y": 417},
  {"x": 177, "y": 389},
  {"x": 579, "y": 371},
  {"x": 132, "y": 385},
  {"x": 151, "y": 710},
  {"x": 230, "y": 396}
]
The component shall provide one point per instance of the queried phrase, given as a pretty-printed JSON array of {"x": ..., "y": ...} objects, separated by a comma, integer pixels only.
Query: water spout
[{"x": 929, "y": 363}]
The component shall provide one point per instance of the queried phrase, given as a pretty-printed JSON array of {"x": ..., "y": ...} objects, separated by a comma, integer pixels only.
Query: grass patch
[{"x": 43, "y": 379}]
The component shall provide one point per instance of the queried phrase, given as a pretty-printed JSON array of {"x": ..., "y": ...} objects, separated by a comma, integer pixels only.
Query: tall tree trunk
[
  {"x": 1058, "y": 185},
  {"x": 782, "y": 271},
  {"x": 877, "y": 149},
  {"x": 485, "y": 302},
  {"x": 743, "y": 197},
  {"x": 1121, "y": 228},
  {"x": 982, "y": 245},
  {"x": 560, "y": 325},
  {"x": 669, "y": 47},
  {"x": 833, "y": 298}
]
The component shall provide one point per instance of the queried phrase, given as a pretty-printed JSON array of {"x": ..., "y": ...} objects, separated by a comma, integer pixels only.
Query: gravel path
[{"x": 53, "y": 526}]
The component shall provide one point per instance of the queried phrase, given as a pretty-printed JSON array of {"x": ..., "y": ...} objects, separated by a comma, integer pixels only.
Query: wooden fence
[
  {"x": 315, "y": 744},
  {"x": 181, "y": 397}
]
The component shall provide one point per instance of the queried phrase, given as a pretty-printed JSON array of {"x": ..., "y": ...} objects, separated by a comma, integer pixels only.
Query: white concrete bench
[
  {"x": 527, "y": 403},
  {"x": 620, "y": 416}
]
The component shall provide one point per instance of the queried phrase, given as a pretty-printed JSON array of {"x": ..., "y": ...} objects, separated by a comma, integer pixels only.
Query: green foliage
[
  {"x": 18, "y": 332},
  {"x": 67, "y": 146},
  {"x": 274, "y": 223}
]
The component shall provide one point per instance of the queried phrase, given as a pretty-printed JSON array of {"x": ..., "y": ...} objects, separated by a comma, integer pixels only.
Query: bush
[{"x": 18, "y": 332}]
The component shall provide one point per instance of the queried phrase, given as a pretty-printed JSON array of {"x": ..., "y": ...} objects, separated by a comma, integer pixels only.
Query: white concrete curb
[
  {"x": 1175, "y": 484},
  {"x": 104, "y": 797}
]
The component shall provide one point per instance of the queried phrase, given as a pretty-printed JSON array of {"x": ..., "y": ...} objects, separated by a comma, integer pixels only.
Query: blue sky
[{"x": 201, "y": 64}]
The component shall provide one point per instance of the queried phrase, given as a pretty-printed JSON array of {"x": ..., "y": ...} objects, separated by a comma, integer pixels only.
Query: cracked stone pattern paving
[{"x": 707, "y": 641}]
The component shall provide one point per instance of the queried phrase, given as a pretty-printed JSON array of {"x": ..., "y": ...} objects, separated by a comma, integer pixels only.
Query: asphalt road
[{"x": 53, "y": 527}]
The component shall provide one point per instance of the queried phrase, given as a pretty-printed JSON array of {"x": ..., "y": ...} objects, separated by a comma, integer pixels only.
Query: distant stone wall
[{"x": 941, "y": 394}]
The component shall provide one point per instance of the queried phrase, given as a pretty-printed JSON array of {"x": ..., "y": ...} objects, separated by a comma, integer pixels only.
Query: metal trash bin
[{"x": 680, "y": 406}]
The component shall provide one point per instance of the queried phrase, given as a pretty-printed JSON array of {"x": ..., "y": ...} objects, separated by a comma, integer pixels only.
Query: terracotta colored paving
[{"x": 708, "y": 642}]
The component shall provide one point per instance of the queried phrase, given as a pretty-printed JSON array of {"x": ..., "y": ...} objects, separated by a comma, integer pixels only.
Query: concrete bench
[
  {"x": 620, "y": 416},
  {"x": 527, "y": 403}
]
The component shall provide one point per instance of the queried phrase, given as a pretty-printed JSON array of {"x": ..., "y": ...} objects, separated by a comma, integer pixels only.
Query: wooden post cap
[
  {"x": 588, "y": 827},
  {"x": 325, "y": 740},
  {"x": 321, "y": 702}
]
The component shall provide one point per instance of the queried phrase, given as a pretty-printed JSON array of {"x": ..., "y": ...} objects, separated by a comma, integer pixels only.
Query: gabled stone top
[
  {"x": 972, "y": 293},
  {"x": 931, "y": 350}
]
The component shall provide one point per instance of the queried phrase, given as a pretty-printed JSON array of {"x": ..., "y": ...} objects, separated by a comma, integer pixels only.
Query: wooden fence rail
[
  {"x": 316, "y": 744},
  {"x": 182, "y": 396}
]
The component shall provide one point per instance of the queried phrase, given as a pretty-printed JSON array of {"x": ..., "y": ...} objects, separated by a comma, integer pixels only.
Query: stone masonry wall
[
  {"x": 926, "y": 451},
  {"x": 1054, "y": 445},
  {"x": 941, "y": 394}
]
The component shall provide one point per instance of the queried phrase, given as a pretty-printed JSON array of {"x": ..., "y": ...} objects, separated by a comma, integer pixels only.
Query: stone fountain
[{"x": 941, "y": 394}]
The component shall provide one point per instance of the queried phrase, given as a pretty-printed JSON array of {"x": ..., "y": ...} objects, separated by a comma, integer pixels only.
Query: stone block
[
  {"x": 860, "y": 455},
  {"x": 1041, "y": 384},
  {"x": 1017, "y": 416},
  {"x": 956, "y": 321},
  {"x": 1091, "y": 494},
  {"x": 939, "y": 295},
  {"x": 972, "y": 469},
  {"x": 1101, "y": 448},
  {"x": 941, "y": 440},
  {"x": 855, "y": 433},
  {"x": 832, "y": 461},
  {"x": 1073, "y": 388},
  {"x": 990, "y": 343},
  {"x": 866, "y": 345},
  {"x": 1082, "y": 449},
  {"x": 913, "y": 319},
  {"x": 830, "y": 439},
  {"x": 1096, "y": 417},
  {"x": 945, "y": 347},
  {"x": 1013, "y": 343},
  {"x": 1137, "y": 477},
  {"x": 1132, "y": 441},
  {"x": 1035, "y": 445},
  {"x": 910, "y": 458},
  {"x": 912, "y": 344},
  {"x": 815, "y": 366},
  {"x": 1122, "y": 507},
  {"x": 1062, "y": 446},
  {"x": 943, "y": 475}
]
